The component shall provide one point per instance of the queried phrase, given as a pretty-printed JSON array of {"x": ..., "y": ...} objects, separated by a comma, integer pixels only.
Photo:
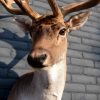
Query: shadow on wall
[{"x": 8, "y": 35}]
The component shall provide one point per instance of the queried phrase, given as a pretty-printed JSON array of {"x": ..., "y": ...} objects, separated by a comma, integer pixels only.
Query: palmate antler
[{"x": 25, "y": 8}]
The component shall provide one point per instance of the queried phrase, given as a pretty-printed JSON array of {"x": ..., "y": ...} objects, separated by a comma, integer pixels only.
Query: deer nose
[
  {"x": 37, "y": 61},
  {"x": 42, "y": 58}
]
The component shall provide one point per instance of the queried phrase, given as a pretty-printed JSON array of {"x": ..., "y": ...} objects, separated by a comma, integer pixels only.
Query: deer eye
[{"x": 62, "y": 31}]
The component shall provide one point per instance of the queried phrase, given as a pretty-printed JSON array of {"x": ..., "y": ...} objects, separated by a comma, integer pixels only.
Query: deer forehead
[{"x": 48, "y": 26}]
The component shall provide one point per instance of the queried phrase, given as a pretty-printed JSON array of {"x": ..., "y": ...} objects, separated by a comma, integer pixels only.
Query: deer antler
[
  {"x": 8, "y": 5},
  {"x": 79, "y": 6},
  {"x": 25, "y": 9},
  {"x": 55, "y": 8},
  {"x": 71, "y": 7},
  {"x": 24, "y": 5}
]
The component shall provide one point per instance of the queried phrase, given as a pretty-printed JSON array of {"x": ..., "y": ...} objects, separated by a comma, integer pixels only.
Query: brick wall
[{"x": 83, "y": 80}]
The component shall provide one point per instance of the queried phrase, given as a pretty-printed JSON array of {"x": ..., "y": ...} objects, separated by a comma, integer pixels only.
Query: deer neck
[{"x": 51, "y": 80}]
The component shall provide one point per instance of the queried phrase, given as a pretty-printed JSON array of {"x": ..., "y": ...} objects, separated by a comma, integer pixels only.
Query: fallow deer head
[
  {"x": 49, "y": 47},
  {"x": 49, "y": 33}
]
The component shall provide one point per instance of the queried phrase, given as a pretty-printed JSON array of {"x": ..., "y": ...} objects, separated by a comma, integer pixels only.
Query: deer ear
[
  {"x": 24, "y": 23},
  {"x": 77, "y": 21}
]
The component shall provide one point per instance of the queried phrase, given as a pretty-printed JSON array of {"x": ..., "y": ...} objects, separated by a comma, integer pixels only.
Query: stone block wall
[{"x": 83, "y": 80}]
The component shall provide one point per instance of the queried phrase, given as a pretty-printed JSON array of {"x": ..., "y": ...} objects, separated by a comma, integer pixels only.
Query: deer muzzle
[{"x": 38, "y": 58}]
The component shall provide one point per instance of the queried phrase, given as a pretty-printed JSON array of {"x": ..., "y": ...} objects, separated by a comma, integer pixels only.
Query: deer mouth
[{"x": 35, "y": 63}]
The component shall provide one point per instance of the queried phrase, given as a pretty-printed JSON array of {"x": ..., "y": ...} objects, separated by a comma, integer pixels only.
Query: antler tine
[
  {"x": 8, "y": 5},
  {"x": 55, "y": 8},
  {"x": 25, "y": 9},
  {"x": 24, "y": 5},
  {"x": 79, "y": 6}
]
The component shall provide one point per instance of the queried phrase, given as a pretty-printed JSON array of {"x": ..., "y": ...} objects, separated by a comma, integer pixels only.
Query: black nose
[
  {"x": 42, "y": 58},
  {"x": 37, "y": 61}
]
